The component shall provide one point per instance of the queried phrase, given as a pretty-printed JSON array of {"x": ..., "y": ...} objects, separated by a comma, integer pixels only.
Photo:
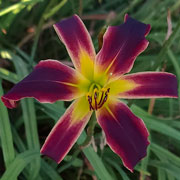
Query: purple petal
[
  {"x": 67, "y": 130},
  {"x": 121, "y": 45},
  {"x": 126, "y": 134},
  {"x": 147, "y": 85},
  {"x": 50, "y": 81},
  {"x": 77, "y": 40}
]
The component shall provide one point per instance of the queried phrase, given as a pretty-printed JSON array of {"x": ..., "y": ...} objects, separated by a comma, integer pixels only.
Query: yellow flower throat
[{"x": 97, "y": 96}]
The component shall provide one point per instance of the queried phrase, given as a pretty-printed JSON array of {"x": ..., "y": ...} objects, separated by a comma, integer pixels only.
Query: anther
[
  {"x": 105, "y": 98},
  {"x": 101, "y": 98},
  {"x": 95, "y": 99},
  {"x": 108, "y": 90},
  {"x": 90, "y": 103}
]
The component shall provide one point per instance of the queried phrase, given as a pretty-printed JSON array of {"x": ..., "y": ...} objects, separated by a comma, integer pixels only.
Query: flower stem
[
  {"x": 90, "y": 132},
  {"x": 100, "y": 37},
  {"x": 151, "y": 106}
]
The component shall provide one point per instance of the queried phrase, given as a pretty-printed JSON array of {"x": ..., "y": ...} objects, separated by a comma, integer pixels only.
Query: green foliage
[{"x": 27, "y": 36}]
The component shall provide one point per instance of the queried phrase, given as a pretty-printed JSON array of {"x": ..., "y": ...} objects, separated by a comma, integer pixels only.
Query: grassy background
[{"x": 27, "y": 36}]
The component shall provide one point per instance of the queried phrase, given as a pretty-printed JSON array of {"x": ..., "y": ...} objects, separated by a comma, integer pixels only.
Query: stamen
[
  {"x": 90, "y": 103},
  {"x": 94, "y": 99},
  {"x": 105, "y": 98},
  {"x": 101, "y": 98}
]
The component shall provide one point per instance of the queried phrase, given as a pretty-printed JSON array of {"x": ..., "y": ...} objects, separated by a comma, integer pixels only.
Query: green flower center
[{"x": 97, "y": 96}]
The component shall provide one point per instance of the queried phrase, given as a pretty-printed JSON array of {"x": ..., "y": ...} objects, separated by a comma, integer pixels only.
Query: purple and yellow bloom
[{"x": 96, "y": 84}]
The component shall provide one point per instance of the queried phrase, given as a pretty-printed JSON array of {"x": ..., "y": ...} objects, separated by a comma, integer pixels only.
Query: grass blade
[
  {"x": 118, "y": 168},
  {"x": 165, "y": 153},
  {"x": 95, "y": 160},
  {"x": 29, "y": 117},
  {"x": 6, "y": 134},
  {"x": 156, "y": 125},
  {"x": 169, "y": 168},
  {"x": 50, "y": 171},
  {"x": 9, "y": 76},
  {"x": 19, "y": 163},
  {"x": 17, "y": 6},
  {"x": 166, "y": 46}
]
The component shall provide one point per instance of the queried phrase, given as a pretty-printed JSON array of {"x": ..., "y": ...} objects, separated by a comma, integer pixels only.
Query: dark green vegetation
[{"x": 27, "y": 36}]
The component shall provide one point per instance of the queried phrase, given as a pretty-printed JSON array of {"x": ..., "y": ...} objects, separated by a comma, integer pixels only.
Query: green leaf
[
  {"x": 9, "y": 76},
  {"x": 169, "y": 168},
  {"x": 166, "y": 46},
  {"x": 145, "y": 162},
  {"x": 55, "y": 9},
  {"x": 118, "y": 168},
  {"x": 6, "y": 134},
  {"x": 165, "y": 154},
  {"x": 16, "y": 7},
  {"x": 19, "y": 163},
  {"x": 95, "y": 160},
  {"x": 49, "y": 171},
  {"x": 29, "y": 116},
  {"x": 155, "y": 125}
]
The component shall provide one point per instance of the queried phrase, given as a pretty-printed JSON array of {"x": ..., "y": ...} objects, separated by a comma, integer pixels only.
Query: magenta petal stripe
[
  {"x": 77, "y": 40},
  {"x": 65, "y": 133},
  {"x": 126, "y": 134},
  {"x": 121, "y": 45},
  {"x": 50, "y": 81},
  {"x": 151, "y": 85}
]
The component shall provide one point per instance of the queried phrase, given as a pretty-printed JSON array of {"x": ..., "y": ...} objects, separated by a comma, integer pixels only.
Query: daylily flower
[{"x": 96, "y": 84}]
